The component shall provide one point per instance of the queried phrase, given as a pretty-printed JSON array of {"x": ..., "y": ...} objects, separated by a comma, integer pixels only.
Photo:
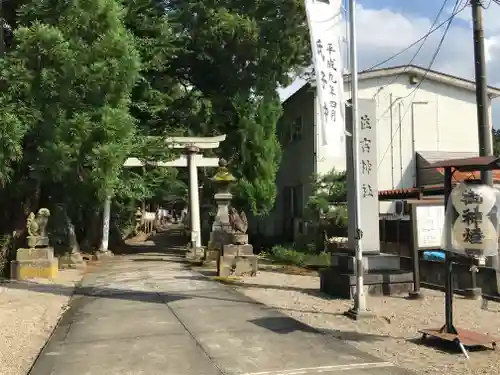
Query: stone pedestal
[
  {"x": 34, "y": 263},
  {"x": 237, "y": 260},
  {"x": 37, "y": 241},
  {"x": 382, "y": 276},
  {"x": 371, "y": 262},
  {"x": 237, "y": 266}
]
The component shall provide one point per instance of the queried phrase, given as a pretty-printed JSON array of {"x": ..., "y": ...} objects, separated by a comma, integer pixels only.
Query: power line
[
  {"x": 454, "y": 13},
  {"x": 429, "y": 67},
  {"x": 489, "y": 4},
  {"x": 418, "y": 50}
]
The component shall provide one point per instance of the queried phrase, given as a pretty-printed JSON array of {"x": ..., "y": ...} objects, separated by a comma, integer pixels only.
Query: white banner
[{"x": 325, "y": 28}]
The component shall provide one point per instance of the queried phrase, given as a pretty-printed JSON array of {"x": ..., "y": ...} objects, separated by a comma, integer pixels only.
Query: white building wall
[{"x": 442, "y": 117}]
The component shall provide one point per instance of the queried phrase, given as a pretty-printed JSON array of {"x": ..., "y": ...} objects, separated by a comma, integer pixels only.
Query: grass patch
[{"x": 291, "y": 256}]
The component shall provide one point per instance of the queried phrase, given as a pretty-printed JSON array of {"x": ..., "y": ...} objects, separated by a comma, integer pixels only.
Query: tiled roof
[{"x": 457, "y": 177}]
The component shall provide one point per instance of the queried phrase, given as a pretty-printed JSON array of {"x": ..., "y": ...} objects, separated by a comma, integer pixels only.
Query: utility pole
[{"x": 482, "y": 100}]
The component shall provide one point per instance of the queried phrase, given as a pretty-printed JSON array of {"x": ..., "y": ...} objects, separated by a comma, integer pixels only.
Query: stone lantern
[
  {"x": 223, "y": 180},
  {"x": 228, "y": 243},
  {"x": 221, "y": 227}
]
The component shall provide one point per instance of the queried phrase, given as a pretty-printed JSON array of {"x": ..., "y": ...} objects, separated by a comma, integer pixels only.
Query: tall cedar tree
[
  {"x": 66, "y": 126},
  {"x": 234, "y": 54}
]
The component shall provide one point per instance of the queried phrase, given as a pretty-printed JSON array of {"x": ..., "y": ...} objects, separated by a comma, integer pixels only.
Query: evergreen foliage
[{"x": 84, "y": 84}]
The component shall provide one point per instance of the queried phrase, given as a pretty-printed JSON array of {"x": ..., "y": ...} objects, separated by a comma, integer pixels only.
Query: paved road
[{"x": 148, "y": 315}]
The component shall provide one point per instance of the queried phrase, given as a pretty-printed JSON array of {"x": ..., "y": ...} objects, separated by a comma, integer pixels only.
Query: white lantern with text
[{"x": 472, "y": 219}]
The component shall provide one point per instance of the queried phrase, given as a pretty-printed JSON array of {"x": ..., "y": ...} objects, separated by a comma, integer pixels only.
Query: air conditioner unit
[
  {"x": 401, "y": 207},
  {"x": 414, "y": 80}
]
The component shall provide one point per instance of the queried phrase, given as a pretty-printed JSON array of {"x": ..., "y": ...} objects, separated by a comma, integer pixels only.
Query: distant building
[{"x": 438, "y": 122}]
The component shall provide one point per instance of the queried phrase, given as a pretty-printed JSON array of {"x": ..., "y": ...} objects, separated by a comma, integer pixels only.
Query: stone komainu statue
[
  {"x": 238, "y": 221},
  {"x": 37, "y": 224}
]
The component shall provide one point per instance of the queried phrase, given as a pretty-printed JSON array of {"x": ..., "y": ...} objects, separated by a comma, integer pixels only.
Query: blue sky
[
  {"x": 419, "y": 7},
  {"x": 414, "y": 18},
  {"x": 385, "y": 27}
]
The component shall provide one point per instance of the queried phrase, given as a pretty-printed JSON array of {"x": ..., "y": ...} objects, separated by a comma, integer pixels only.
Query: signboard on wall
[{"x": 430, "y": 220}]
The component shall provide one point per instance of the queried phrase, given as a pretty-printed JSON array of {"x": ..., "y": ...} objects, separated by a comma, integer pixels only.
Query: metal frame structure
[{"x": 463, "y": 338}]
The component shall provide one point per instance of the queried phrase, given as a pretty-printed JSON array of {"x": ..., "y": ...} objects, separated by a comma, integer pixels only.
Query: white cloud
[
  {"x": 382, "y": 33},
  {"x": 490, "y": 16}
]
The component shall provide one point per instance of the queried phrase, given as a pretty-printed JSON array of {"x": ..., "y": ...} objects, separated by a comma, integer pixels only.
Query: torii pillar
[{"x": 194, "y": 196}]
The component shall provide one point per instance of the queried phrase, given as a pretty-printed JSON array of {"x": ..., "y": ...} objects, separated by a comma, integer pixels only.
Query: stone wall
[{"x": 433, "y": 272}]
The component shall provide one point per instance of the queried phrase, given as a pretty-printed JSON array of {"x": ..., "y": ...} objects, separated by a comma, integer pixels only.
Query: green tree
[
  {"x": 259, "y": 155},
  {"x": 85, "y": 83},
  {"x": 233, "y": 54},
  {"x": 67, "y": 127},
  {"x": 496, "y": 142},
  {"x": 327, "y": 202}
]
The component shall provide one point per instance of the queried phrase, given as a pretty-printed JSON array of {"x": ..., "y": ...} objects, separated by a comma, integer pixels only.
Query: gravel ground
[
  {"x": 392, "y": 335},
  {"x": 28, "y": 314}
]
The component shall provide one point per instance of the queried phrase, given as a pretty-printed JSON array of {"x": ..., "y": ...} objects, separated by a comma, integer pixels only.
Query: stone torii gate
[{"x": 192, "y": 160}]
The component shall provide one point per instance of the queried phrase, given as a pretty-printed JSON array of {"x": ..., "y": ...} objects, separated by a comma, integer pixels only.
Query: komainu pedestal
[
  {"x": 37, "y": 261},
  {"x": 34, "y": 263},
  {"x": 237, "y": 260}
]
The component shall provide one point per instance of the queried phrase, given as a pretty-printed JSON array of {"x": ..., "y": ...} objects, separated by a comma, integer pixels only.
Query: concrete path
[{"x": 147, "y": 314}]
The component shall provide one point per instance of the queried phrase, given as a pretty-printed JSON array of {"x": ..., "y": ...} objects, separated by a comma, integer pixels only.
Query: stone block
[
  {"x": 37, "y": 241},
  {"x": 371, "y": 262},
  {"x": 341, "y": 285},
  {"x": 236, "y": 250},
  {"x": 34, "y": 269},
  {"x": 239, "y": 238},
  {"x": 235, "y": 266},
  {"x": 46, "y": 253}
]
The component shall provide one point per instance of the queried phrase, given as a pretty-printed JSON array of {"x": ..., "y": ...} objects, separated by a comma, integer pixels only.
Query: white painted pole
[
  {"x": 105, "y": 224},
  {"x": 360, "y": 299},
  {"x": 194, "y": 197}
]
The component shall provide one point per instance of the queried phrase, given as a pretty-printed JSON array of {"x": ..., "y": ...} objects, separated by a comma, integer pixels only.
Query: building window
[
  {"x": 285, "y": 134},
  {"x": 290, "y": 132},
  {"x": 293, "y": 200},
  {"x": 296, "y": 129},
  {"x": 298, "y": 200}
]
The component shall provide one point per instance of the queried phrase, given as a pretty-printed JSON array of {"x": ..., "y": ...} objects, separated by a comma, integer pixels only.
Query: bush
[
  {"x": 302, "y": 257},
  {"x": 285, "y": 255},
  {"x": 5, "y": 254},
  {"x": 326, "y": 209}
]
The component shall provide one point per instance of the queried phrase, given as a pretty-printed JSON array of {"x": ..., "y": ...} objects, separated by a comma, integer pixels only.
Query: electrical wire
[
  {"x": 429, "y": 67},
  {"x": 454, "y": 13},
  {"x": 417, "y": 51}
]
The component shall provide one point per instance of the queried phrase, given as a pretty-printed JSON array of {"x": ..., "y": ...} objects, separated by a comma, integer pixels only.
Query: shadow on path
[
  {"x": 171, "y": 246},
  {"x": 311, "y": 291}
]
